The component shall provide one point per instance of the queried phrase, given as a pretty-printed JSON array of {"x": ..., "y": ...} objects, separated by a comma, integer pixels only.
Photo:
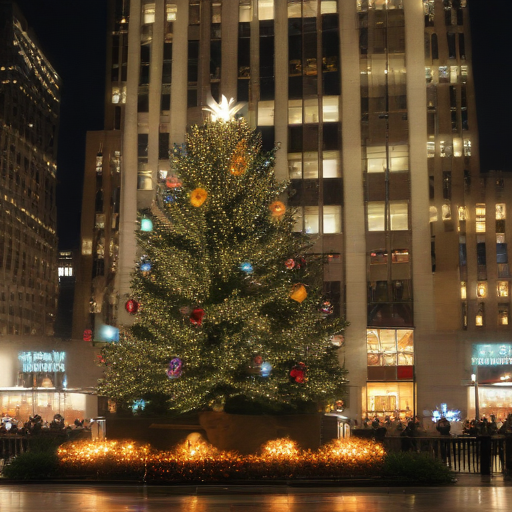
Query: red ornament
[
  {"x": 132, "y": 306},
  {"x": 87, "y": 335},
  {"x": 197, "y": 315},
  {"x": 298, "y": 373},
  {"x": 289, "y": 264},
  {"x": 258, "y": 360}
]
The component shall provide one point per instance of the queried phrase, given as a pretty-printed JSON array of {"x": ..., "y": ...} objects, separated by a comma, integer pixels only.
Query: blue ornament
[
  {"x": 246, "y": 267},
  {"x": 146, "y": 266},
  {"x": 266, "y": 368}
]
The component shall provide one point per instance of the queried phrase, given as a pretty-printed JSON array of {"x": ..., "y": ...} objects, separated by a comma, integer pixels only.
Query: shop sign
[
  {"x": 491, "y": 354},
  {"x": 48, "y": 362}
]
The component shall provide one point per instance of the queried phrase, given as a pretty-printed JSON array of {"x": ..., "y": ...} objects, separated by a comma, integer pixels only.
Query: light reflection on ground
[{"x": 467, "y": 495}]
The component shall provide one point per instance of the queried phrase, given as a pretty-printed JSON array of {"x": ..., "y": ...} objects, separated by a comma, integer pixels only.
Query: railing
[
  {"x": 462, "y": 454},
  {"x": 12, "y": 445}
]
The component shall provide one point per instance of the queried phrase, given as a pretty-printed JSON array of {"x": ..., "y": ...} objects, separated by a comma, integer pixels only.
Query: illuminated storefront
[
  {"x": 48, "y": 378},
  {"x": 492, "y": 366},
  {"x": 390, "y": 359}
]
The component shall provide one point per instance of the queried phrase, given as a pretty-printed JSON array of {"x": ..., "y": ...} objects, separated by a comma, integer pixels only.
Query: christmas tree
[{"x": 228, "y": 305}]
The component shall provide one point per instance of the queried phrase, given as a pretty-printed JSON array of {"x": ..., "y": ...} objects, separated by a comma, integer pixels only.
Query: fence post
[
  {"x": 485, "y": 455},
  {"x": 508, "y": 453}
]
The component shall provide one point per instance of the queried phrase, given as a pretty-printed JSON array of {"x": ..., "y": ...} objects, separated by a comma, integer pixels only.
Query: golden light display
[
  {"x": 198, "y": 197},
  {"x": 238, "y": 163},
  {"x": 200, "y": 462},
  {"x": 198, "y": 257}
]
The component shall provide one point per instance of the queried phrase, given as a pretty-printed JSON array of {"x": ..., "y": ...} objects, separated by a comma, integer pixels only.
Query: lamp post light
[{"x": 474, "y": 378}]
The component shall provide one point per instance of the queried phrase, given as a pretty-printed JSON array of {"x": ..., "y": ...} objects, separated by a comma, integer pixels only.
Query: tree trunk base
[{"x": 247, "y": 433}]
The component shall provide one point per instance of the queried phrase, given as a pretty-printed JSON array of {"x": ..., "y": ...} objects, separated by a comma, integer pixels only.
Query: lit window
[
  {"x": 332, "y": 219},
  {"x": 463, "y": 293},
  {"x": 265, "y": 113},
  {"x": 170, "y": 12},
  {"x": 61, "y": 271},
  {"x": 86, "y": 247},
  {"x": 398, "y": 216},
  {"x": 244, "y": 11},
  {"x": 503, "y": 314},
  {"x": 463, "y": 213},
  {"x": 479, "y": 318},
  {"x": 303, "y": 165},
  {"x": 216, "y": 12},
  {"x": 464, "y": 73},
  {"x": 400, "y": 256},
  {"x": 480, "y": 218},
  {"x": 481, "y": 289},
  {"x": 144, "y": 177},
  {"x": 457, "y": 146},
  {"x": 398, "y": 158},
  {"x": 454, "y": 74},
  {"x": 295, "y": 112},
  {"x": 446, "y": 212},
  {"x": 467, "y": 147},
  {"x": 330, "y": 107},
  {"x": 501, "y": 211},
  {"x": 390, "y": 347},
  {"x": 116, "y": 95},
  {"x": 311, "y": 224},
  {"x": 331, "y": 164},
  {"x": 443, "y": 74},
  {"x": 299, "y": 219},
  {"x": 502, "y": 288},
  {"x": 428, "y": 75},
  {"x": 265, "y": 9},
  {"x": 376, "y": 212},
  {"x": 148, "y": 13},
  {"x": 311, "y": 110},
  {"x": 100, "y": 221},
  {"x": 329, "y": 7},
  {"x": 431, "y": 149},
  {"x": 433, "y": 214}
]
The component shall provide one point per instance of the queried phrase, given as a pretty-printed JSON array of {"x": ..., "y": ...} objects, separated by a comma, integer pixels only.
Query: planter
[{"x": 247, "y": 433}]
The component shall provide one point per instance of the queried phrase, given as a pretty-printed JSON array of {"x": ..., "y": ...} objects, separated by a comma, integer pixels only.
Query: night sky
[{"x": 72, "y": 34}]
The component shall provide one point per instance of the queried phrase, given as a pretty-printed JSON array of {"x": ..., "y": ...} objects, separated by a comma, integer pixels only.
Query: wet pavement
[{"x": 469, "y": 494}]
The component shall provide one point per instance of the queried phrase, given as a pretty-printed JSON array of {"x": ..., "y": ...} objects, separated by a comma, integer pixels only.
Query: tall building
[
  {"x": 29, "y": 115},
  {"x": 372, "y": 103}
]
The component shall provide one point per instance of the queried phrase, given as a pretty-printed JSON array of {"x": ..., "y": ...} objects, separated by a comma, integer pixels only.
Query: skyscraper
[
  {"x": 372, "y": 104},
  {"x": 29, "y": 114}
]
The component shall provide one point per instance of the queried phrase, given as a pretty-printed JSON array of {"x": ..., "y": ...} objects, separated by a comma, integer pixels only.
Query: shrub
[
  {"x": 418, "y": 467},
  {"x": 36, "y": 465}
]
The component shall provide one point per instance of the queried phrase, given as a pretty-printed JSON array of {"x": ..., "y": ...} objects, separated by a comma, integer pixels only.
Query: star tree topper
[{"x": 223, "y": 111}]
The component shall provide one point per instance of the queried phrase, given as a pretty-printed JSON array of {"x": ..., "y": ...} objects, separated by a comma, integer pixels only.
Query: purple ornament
[{"x": 175, "y": 368}]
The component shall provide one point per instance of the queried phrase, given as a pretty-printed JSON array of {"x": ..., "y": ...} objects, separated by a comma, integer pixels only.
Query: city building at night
[
  {"x": 39, "y": 374},
  {"x": 372, "y": 104}
]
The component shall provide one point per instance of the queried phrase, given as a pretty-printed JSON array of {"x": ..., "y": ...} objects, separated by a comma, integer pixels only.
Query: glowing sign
[
  {"x": 495, "y": 354},
  {"x": 48, "y": 362}
]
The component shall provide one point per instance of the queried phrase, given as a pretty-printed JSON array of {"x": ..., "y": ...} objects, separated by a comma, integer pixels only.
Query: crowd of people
[{"x": 36, "y": 425}]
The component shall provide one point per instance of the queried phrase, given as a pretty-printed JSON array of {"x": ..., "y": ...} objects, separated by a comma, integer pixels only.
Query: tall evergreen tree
[{"x": 228, "y": 302}]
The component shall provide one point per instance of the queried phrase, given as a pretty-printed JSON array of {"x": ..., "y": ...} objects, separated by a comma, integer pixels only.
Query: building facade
[
  {"x": 29, "y": 114},
  {"x": 372, "y": 103}
]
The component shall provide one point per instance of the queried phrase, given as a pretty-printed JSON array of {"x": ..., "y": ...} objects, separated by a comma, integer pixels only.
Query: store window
[{"x": 390, "y": 399}]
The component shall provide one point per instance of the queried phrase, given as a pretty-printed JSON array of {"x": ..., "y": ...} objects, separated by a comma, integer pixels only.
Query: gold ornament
[
  {"x": 298, "y": 292},
  {"x": 277, "y": 208},
  {"x": 238, "y": 162},
  {"x": 198, "y": 197}
]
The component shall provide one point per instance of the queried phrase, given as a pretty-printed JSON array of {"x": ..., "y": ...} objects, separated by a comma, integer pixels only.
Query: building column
[
  {"x": 354, "y": 211},
  {"x": 129, "y": 166}
]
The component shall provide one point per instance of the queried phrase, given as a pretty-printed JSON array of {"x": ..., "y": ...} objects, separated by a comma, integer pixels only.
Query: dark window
[
  {"x": 435, "y": 47},
  {"x": 192, "y": 98},
  {"x": 163, "y": 146},
  {"x": 452, "y": 54},
  {"x": 166, "y": 72},
  {"x": 142, "y": 145},
  {"x": 331, "y": 138},
  {"x": 242, "y": 90},
  {"x": 267, "y": 137},
  {"x": 501, "y": 253},
  {"x": 480, "y": 253},
  {"x": 462, "y": 47}
]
